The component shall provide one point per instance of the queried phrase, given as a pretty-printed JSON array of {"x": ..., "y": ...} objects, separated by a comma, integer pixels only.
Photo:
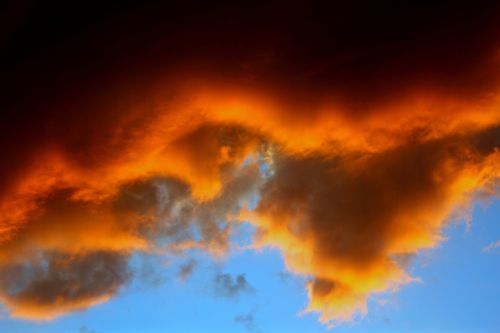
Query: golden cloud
[{"x": 359, "y": 142}]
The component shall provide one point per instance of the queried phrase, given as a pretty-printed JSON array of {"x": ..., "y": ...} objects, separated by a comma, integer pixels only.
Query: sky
[
  {"x": 458, "y": 292},
  {"x": 273, "y": 166}
]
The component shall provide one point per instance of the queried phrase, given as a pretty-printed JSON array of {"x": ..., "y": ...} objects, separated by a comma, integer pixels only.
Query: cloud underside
[
  {"x": 349, "y": 159},
  {"x": 345, "y": 216}
]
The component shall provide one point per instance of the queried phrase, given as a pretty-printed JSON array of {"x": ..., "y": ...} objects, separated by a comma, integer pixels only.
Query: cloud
[
  {"x": 186, "y": 270},
  {"x": 148, "y": 271},
  {"x": 348, "y": 220},
  {"x": 356, "y": 130},
  {"x": 227, "y": 286},
  {"x": 49, "y": 286},
  {"x": 283, "y": 276},
  {"x": 72, "y": 238},
  {"x": 248, "y": 321},
  {"x": 85, "y": 329},
  {"x": 492, "y": 246}
]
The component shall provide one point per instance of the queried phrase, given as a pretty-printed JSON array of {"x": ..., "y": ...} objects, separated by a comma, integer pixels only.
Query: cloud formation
[
  {"x": 349, "y": 220},
  {"x": 492, "y": 246},
  {"x": 357, "y": 130},
  {"x": 54, "y": 284},
  {"x": 227, "y": 286}
]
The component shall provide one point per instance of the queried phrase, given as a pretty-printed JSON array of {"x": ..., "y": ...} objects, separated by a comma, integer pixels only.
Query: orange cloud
[
  {"x": 346, "y": 220},
  {"x": 60, "y": 209},
  {"x": 360, "y": 129},
  {"x": 343, "y": 199},
  {"x": 66, "y": 283}
]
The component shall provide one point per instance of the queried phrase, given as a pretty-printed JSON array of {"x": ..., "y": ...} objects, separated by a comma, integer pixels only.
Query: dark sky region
[{"x": 348, "y": 134}]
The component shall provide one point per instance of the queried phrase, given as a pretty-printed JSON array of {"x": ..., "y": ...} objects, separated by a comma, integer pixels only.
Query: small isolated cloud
[
  {"x": 247, "y": 321},
  {"x": 149, "y": 274},
  {"x": 492, "y": 246},
  {"x": 284, "y": 276},
  {"x": 85, "y": 329},
  {"x": 228, "y": 286},
  {"x": 186, "y": 270}
]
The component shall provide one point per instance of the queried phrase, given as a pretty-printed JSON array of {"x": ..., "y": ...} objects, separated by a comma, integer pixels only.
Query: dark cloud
[
  {"x": 49, "y": 286},
  {"x": 355, "y": 221},
  {"x": 186, "y": 270},
  {"x": 227, "y": 286}
]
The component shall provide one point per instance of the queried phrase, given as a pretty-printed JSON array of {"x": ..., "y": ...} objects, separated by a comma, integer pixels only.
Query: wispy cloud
[
  {"x": 248, "y": 321},
  {"x": 492, "y": 246},
  {"x": 85, "y": 329}
]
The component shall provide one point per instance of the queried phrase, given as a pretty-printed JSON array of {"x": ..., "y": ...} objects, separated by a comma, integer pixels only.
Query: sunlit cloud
[{"x": 347, "y": 152}]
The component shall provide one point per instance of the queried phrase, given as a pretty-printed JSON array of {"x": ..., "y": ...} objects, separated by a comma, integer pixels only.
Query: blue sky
[{"x": 459, "y": 292}]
